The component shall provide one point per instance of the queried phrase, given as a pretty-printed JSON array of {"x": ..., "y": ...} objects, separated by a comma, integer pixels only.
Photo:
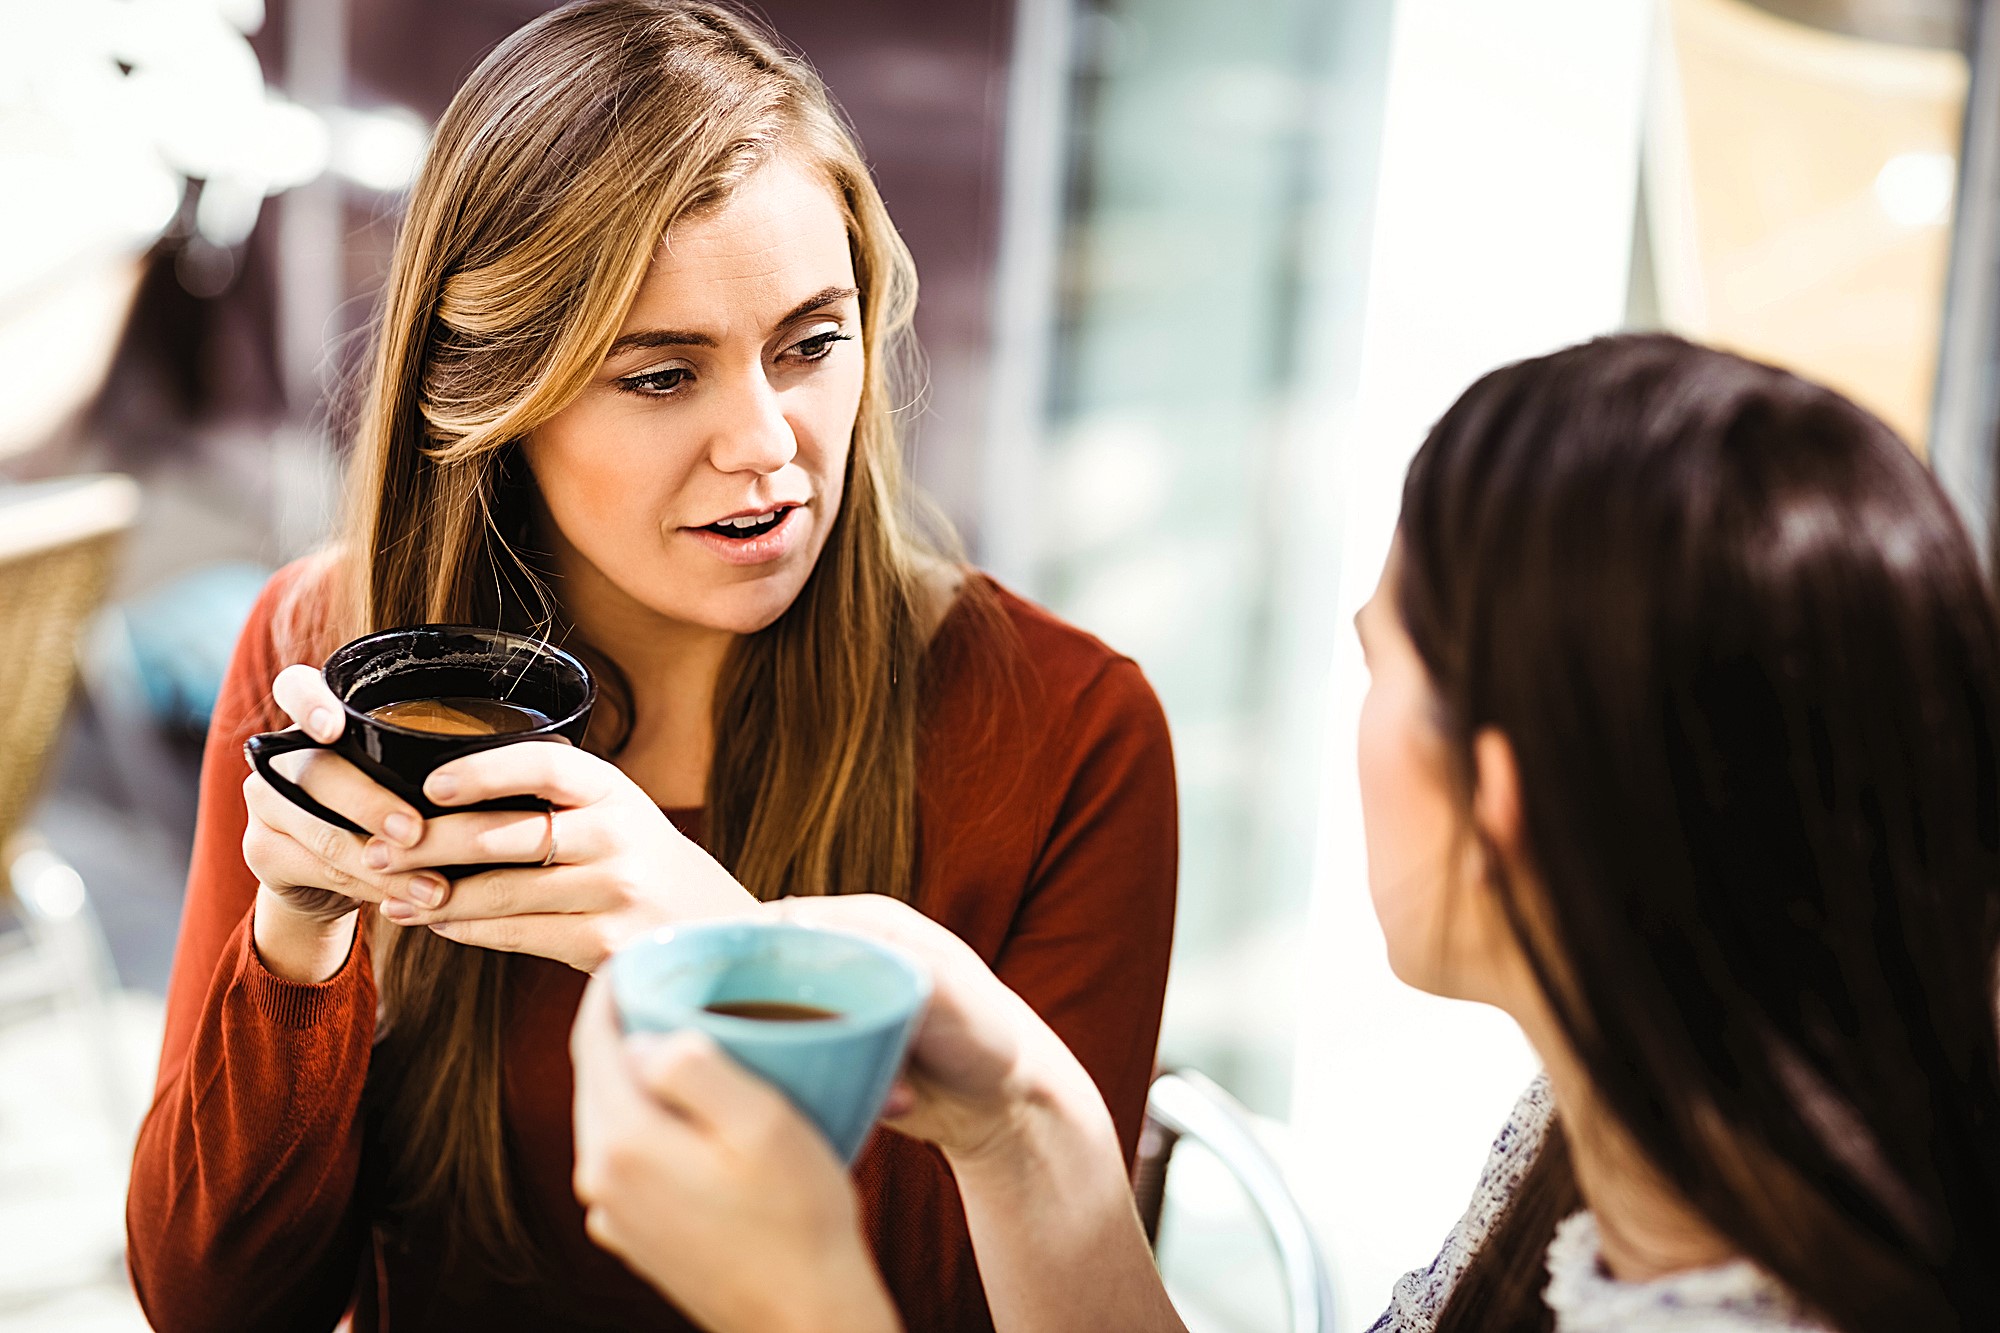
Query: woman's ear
[{"x": 1496, "y": 794}]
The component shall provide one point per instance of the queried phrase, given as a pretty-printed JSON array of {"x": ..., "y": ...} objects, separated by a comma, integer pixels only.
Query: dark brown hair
[{"x": 1746, "y": 658}]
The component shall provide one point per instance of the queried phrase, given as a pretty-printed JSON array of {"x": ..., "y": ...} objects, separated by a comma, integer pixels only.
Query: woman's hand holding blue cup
[
  {"x": 702, "y": 1136},
  {"x": 822, "y": 1015},
  {"x": 687, "y": 1160}
]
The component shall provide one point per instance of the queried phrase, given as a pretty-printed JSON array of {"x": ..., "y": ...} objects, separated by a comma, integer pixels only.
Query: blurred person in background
[
  {"x": 631, "y": 389},
  {"x": 1682, "y": 748}
]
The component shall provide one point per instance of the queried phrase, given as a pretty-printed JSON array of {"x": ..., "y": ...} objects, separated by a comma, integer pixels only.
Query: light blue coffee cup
[{"x": 837, "y": 1070}]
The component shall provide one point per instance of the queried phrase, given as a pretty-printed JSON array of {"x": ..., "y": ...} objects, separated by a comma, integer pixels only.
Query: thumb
[
  {"x": 902, "y": 1100},
  {"x": 307, "y": 699}
]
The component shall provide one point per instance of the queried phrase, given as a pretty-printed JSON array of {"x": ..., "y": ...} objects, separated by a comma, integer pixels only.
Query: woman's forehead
[{"x": 780, "y": 237}]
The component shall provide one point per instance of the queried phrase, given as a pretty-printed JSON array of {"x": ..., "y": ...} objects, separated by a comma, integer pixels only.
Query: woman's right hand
[
  {"x": 313, "y": 875},
  {"x": 1047, "y": 1199},
  {"x": 982, "y": 1062}
]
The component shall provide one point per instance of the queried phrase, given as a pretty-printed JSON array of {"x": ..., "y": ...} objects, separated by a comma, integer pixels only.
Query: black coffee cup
[{"x": 540, "y": 691}]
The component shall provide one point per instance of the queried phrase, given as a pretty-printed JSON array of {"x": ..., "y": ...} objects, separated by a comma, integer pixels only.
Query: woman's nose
[{"x": 752, "y": 434}]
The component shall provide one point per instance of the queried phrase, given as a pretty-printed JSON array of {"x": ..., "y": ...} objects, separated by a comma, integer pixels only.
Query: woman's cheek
[
  {"x": 604, "y": 479},
  {"x": 1405, "y": 816}
]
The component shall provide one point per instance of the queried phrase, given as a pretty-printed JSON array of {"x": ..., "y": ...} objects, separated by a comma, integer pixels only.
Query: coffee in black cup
[
  {"x": 461, "y": 716},
  {"x": 418, "y": 698}
]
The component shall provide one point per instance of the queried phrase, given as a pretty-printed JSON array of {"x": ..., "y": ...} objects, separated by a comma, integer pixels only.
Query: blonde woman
[{"x": 632, "y": 388}]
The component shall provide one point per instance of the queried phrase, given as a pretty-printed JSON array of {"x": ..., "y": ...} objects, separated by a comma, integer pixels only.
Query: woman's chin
[
  {"x": 741, "y": 608},
  {"x": 1419, "y": 965}
]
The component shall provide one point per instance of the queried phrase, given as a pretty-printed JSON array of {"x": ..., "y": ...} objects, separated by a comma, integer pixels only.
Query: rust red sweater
[{"x": 1047, "y": 840}]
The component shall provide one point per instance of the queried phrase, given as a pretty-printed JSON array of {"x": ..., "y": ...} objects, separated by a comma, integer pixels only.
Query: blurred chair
[
  {"x": 58, "y": 541},
  {"x": 152, "y": 670},
  {"x": 1184, "y": 1105}
]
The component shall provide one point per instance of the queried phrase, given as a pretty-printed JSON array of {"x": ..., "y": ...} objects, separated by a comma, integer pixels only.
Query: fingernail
[
  {"x": 406, "y": 829},
  {"x": 428, "y": 891},
  {"x": 323, "y": 723},
  {"x": 441, "y": 787},
  {"x": 397, "y": 910},
  {"x": 376, "y": 854}
]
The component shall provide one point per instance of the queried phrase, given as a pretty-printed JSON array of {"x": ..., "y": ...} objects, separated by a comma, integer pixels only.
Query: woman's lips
[{"x": 774, "y": 544}]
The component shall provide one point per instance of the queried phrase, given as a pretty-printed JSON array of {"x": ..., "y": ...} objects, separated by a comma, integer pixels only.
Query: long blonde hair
[{"x": 559, "y": 166}]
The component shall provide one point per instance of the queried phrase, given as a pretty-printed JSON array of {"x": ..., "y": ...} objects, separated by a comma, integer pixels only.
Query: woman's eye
[
  {"x": 817, "y": 346},
  {"x": 656, "y": 383}
]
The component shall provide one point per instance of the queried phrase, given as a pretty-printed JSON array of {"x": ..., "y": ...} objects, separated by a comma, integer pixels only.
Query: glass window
[{"x": 1211, "y": 266}]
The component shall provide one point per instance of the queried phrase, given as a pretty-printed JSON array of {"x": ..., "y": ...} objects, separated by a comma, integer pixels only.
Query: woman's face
[
  {"x": 1445, "y": 932},
  {"x": 697, "y": 476}
]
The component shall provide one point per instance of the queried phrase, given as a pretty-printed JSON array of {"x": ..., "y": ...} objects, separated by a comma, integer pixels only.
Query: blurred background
[{"x": 1196, "y": 278}]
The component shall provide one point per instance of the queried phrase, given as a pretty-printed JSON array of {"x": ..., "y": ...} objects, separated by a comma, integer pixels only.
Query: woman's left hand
[
  {"x": 707, "y": 1182},
  {"x": 601, "y": 868}
]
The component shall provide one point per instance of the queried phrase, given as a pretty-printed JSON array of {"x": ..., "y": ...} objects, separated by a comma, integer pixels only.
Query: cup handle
[{"x": 260, "y": 750}]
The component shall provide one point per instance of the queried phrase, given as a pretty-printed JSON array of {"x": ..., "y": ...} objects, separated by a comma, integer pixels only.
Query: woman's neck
[
  {"x": 672, "y": 668},
  {"x": 1646, "y": 1229}
]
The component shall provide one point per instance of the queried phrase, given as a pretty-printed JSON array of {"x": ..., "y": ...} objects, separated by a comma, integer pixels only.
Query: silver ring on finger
[{"x": 550, "y": 858}]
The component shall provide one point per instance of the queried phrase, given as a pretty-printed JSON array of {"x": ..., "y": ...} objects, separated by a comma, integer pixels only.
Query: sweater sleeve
[
  {"x": 1090, "y": 944},
  {"x": 242, "y": 1211}
]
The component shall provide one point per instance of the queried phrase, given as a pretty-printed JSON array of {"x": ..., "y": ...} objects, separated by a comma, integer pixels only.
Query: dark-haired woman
[{"x": 1683, "y": 748}]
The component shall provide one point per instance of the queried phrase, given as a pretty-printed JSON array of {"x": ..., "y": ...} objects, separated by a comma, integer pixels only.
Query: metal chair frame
[{"x": 1186, "y": 1105}]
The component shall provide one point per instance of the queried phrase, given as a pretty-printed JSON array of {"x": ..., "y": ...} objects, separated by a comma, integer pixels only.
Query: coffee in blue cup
[{"x": 823, "y": 1015}]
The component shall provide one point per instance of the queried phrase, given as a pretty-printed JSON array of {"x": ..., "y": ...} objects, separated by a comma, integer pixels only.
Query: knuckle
[
  {"x": 669, "y": 1062},
  {"x": 588, "y": 1178},
  {"x": 307, "y": 771},
  {"x": 766, "y": 1122},
  {"x": 597, "y": 1224},
  {"x": 487, "y": 840},
  {"x": 324, "y": 771},
  {"x": 327, "y": 842},
  {"x": 257, "y": 796},
  {"x": 622, "y": 1158}
]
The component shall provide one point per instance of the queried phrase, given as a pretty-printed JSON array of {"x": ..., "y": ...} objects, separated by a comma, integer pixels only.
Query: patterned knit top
[{"x": 1732, "y": 1298}]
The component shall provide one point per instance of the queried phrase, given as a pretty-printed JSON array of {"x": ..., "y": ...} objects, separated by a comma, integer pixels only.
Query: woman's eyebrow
[
  {"x": 657, "y": 338},
  {"x": 823, "y": 297},
  {"x": 639, "y": 338}
]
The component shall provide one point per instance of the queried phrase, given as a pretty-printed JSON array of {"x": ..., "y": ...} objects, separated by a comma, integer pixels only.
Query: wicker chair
[{"x": 58, "y": 542}]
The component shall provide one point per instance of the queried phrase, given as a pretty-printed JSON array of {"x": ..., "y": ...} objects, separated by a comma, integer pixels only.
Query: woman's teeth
[{"x": 744, "y": 528}]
